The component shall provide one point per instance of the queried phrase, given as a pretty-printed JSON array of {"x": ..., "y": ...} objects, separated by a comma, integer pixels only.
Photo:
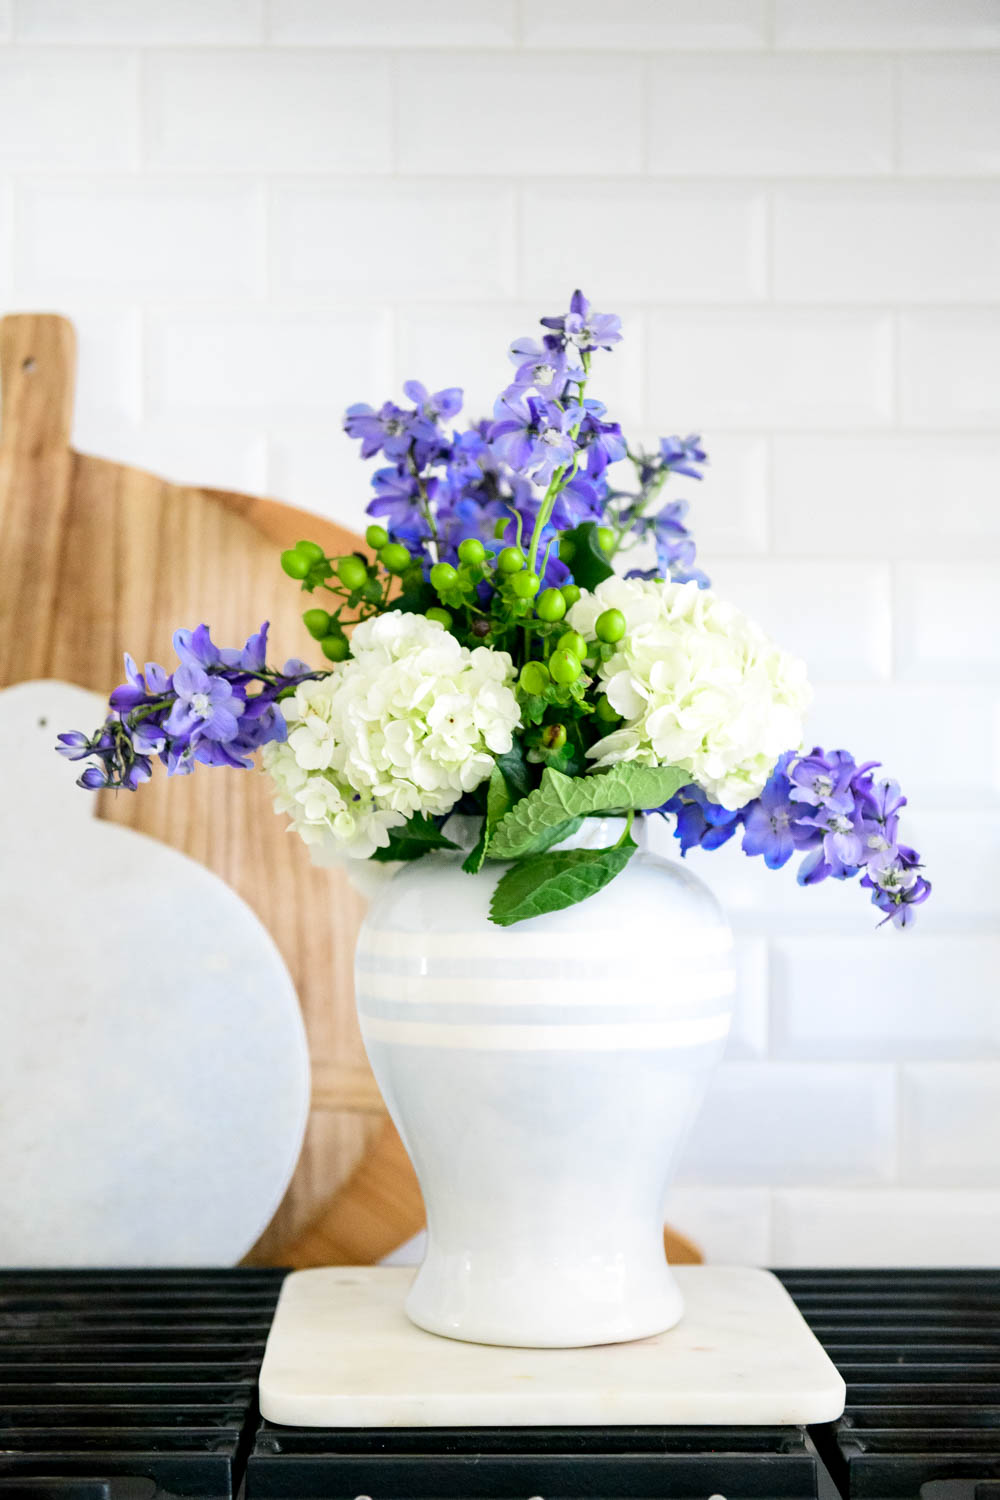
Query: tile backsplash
[{"x": 256, "y": 211}]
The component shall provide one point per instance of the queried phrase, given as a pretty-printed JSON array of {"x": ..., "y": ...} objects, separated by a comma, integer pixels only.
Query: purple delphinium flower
[
  {"x": 683, "y": 455},
  {"x": 587, "y": 329},
  {"x": 388, "y": 430},
  {"x": 827, "y": 807},
  {"x": 532, "y": 435},
  {"x": 218, "y": 707},
  {"x": 543, "y": 365},
  {"x": 397, "y": 503},
  {"x": 439, "y": 407}
]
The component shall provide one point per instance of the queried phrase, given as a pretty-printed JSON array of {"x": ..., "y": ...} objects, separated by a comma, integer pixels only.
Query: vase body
[{"x": 543, "y": 1078}]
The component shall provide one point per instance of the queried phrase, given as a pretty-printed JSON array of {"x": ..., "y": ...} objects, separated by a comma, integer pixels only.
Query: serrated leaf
[
  {"x": 551, "y": 882},
  {"x": 589, "y": 564},
  {"x": 417, "y": 836},
  {"x": 561, "y": 798},
  {"x": 498, "y": 804}
]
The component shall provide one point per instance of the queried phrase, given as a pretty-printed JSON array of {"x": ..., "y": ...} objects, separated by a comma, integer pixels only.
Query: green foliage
[
  {"x": 553, "y": 881},
  {"x": 589, "y": 561},
  {"x": 498, "y": 804},
  {"x": 560, "y": 798},
  {"x": 417, "y": 836}
]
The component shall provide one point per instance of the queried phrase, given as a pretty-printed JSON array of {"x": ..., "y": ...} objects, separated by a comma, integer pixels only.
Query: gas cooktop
[{"x": 141, "y": 1385}]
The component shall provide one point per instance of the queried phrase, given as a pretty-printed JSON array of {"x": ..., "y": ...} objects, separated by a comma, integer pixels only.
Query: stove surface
[{"x": 141, "y": 1385}]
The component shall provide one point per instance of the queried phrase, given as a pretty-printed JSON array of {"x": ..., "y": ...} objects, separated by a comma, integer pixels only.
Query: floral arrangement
[{"x": 490, "y": 659}]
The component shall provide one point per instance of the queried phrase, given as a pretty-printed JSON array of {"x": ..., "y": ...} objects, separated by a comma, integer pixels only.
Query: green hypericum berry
[
  {"x": 376, "y": 537},
  {"x": 443, "y": 575},
  {"x": 565, "y": 667},
  {"x": 554, "y": 736},
  {"x": 567, "y": 548},
  {"x": 471, "y": 551},
  {"x": 610, "y": 626},
  {"x": 606, "y": 537},
  {"x": 311, "y": 550},
  {"x": 442, "y": 616},
  {"x": 481, "y": 629},
  {"x": 394, "y": 557},
  {"x": 534, "y": 677},
  {"x": 573, "y": 643},
  {"x": 525, "y": 585},
  {"x": 294, "y": 564},
  {"x": 335, "y": 647},
  {"x": 551, "y": 606},
  {"x": 570, "y": 593},
  {"x": 511, "y": 560},
  {"x": 317, "y": 622},
  {"x": 352, "y": 572},
  {"x": 605, "y": 712}
]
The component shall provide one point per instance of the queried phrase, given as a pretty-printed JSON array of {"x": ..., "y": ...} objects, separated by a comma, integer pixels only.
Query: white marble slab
[
  {"x": 154, "y": 1075},
  {"x": 342, "y": 1353}
]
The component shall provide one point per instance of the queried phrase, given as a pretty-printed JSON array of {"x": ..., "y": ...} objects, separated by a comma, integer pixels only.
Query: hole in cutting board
[{"x": 29, "y": 365}]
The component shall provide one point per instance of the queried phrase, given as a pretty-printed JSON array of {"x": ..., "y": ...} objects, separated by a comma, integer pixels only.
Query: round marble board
[{"x": 154, "y": 1075}]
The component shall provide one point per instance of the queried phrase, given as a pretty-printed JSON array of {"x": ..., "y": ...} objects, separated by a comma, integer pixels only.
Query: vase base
[
  {"x": 342, "y": 1353},
  {"x": 552, "y": 1321}
]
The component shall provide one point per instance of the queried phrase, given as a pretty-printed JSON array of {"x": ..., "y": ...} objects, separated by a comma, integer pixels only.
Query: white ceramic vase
[{"x": 543, "y": 1078}]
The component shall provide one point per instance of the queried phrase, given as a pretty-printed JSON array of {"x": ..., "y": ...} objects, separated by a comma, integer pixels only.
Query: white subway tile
[
  {"x": 794, "y": 1123},
  {"x": 331, "y": 239},
  {"x": 656, "y": 243},
  {"x": 108, "y": 368},
  {"x": 951, "y": 1123},
  {"x": 771, "y": 116},
  {"x": 6, "y": 239},
  {"x": 61, "y": 109},
  {"x": 950, "y": 368},
  {"x": 836, "y": 616},
  {"x": 467, "y": 346},
  {"x": 730, "y": 1226},
  {"x": 273, "y": 364},
  {"x": 892, "y": 24},
  {"x": 896, "y": 1227},
  {"x": 207, "y": 453},
  {"x": 888, "y": 496},
  {"x": 393, "y": 23},
  {"x": 960, "y": 854},
  {"x": 121, "y": 237},
  {"x": 269, "y": 110},
  {"x": 508, "y": 114},
  {"x": 6, "y": 20},
  {"x": 641, "y": 24},
  {"x": 950, "y": 115},
  {"x": 748, "y": 1037},
  {"x": 936, "y": 745},
  {"x": 750, "y": 370},
  {"x": 889, "y": 995},
  {"x": 319, "y": 469},
  {"x": 948, "y": 621},
  {"x": 728, "y": 507},
  {"x": 144, "y": 24},
  {"x": 892, "y": 242}
]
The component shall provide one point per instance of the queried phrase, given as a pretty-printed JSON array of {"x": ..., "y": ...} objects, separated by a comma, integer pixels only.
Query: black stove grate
[
  {"x": 920, "y": 1352},
  {"x": 129, "y": 1385},
  {"x": 140, "y": 1385}
]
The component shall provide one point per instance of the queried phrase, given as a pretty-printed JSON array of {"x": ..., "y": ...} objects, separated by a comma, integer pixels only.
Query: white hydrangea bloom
[
  {"x": 698, "y": 684},
  {"x": 408, "y": 725}
]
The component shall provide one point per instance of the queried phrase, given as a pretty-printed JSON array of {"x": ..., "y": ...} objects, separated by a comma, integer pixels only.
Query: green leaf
[
  {"x": 589, "y": 564},
  {"x": 551, "y": 882},
  {"x": 413, "y": 838},
  {"x": 515, "y": 772},
  {"x": 498, "y": 804},
  {"x": 561, "y": 798}
]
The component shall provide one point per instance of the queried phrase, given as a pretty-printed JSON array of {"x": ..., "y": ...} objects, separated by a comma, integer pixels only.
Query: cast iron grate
[
  {"x": 129, "y": 1385},
  {"x": 920, "y": 1352}
]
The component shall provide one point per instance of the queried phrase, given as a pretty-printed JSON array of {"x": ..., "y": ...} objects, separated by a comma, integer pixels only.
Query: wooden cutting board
[{"x": 96, "y": 558}]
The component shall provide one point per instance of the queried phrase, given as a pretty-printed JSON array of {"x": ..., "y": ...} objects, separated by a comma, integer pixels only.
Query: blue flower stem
[{"x": 562, "y": 475}]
